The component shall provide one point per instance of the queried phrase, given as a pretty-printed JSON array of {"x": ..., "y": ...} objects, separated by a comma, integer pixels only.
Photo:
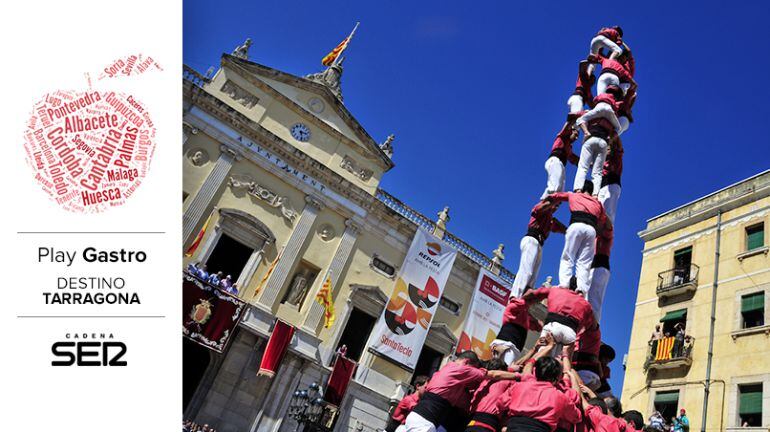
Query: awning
[
  {"x": 753, "y": 302},
  {"x": 674, "y": 315},
  {"x": 667, "y": 397},
  {"x": 750, "y": 403}
]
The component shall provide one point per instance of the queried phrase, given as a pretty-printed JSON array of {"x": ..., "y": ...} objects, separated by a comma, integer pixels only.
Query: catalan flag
[
  {"x": 665, "y": 345},
  {"x": 194, "y": 246},
  {"x": 267, "y": 275},
  {"x": 324, "y": 298},
  {"x": 331, "y": 58}
]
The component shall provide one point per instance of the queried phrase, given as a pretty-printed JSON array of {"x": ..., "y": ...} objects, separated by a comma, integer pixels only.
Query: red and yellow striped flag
[
  {"x": 267, "y": 275},
  {"x": 665, "y": 345},
  {"x": 324, "y": 298},
  {"x": 194, "y": 246},
  {"x": 329, "y": 59}
]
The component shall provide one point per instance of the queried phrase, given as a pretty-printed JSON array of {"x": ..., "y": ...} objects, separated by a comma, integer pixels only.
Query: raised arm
[
  {"x": 557, "y": 226},
  {"x": 536, "y": 295}
]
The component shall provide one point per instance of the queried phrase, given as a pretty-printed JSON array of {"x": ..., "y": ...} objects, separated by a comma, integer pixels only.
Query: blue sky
[{"x": 475, "y": 96}]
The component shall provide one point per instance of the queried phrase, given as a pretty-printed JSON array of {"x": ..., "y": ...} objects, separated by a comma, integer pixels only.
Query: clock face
[{"x": 300, "y": 132}]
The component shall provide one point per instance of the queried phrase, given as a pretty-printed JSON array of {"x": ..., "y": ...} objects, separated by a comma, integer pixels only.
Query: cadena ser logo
[
  {"x": 433, "y": 248},
  {"x": 89, "y": 349}
]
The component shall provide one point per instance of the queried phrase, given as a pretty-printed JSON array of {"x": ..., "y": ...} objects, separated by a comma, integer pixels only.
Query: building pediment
[{"x": 352, "y": 130}]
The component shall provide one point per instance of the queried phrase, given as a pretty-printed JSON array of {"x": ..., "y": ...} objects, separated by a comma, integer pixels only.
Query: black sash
[
  {"x": 583, "y": 217},
  {"x": 513, "y": 333},
  {"x": 433, "y": 408},
  {"x": 562, "y": 319},
  {"x": 559, "y": 154},
  {"x": 536, "y": 234},
  {"x": 526, "y": 424},
  {"x": 601, "y": 260},
  {"x": 488, "y": 419},
  {"x": 610, "y": 178}
]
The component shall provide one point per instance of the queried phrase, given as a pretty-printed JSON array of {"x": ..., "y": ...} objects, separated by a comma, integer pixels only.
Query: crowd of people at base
[
  {"x": 679, "y": 423},
  {"x": 217, "y": 279},
  {"x": 683, "y": 342},
  {"x": 191, "y": 426}
]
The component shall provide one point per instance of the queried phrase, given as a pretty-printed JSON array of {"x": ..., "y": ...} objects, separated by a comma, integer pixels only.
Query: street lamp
[{"x": 308, "y": 407}]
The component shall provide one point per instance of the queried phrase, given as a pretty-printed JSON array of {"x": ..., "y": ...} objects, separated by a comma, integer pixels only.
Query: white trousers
[
  {"x": 605, "y": 80},
  {"x": 511, "y": 352},
  {"x": 562, "y": 335},
  {"x": 529, "y": 265},
  {"x": 609, "y": 196},
  {"x": 592, "y": 156},
  {"x": 579, "y": 249},
  {"x": 601, "y": 110},
  {"x": 575, "y": 103},
  {"x": 417, "y": 423},
  {"x": 600, "y": 278},
  {"x": 600, "y": 42},
  {"x": 556, "y": 176}
]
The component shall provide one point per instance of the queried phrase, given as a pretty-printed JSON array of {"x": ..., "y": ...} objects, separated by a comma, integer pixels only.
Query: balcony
[
  {"x": 677, "y": 281},
  {"x": 668, "y": 353}
]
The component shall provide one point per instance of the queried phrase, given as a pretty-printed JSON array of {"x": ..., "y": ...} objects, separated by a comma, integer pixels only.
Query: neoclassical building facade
[{"x": 287, "y": 183}]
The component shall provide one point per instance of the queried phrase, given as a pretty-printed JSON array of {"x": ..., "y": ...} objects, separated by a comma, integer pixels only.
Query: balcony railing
[
  {"x": 670, "y": 353},
  {"x": 678, "y": 280},
  {"x": 191, "y": 75}
]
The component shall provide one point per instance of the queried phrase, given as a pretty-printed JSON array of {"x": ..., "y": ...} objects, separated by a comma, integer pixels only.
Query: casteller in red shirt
[
  {"x": 538, "y": 401},
  {"x": 564, "y": 305},
  {"x": 542, "y": 223}
]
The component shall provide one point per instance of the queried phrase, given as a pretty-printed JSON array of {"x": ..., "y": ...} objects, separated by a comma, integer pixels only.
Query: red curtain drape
[
  {"x": 343, "y": 371},
  {"x": 276, "y": 347}
]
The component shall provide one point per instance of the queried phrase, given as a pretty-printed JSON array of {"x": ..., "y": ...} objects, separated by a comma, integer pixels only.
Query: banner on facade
[
  {"x": 339, "y": 379},
  {"x": 486, "y": 314},
  {"x": 401, "y": 330},
  {"x": 209, "y": 315},
  {"x": 276, "y": 347}
]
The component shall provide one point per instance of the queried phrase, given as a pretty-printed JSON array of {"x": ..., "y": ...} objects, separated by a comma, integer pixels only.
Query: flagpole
[{"x": 350, "y": 38}]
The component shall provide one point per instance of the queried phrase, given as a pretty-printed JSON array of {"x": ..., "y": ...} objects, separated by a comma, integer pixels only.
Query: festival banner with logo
[
  {"x": 209, "y": 315},
  {"x": 401, "y": 330},
  {"x": 486, "y": 314}
]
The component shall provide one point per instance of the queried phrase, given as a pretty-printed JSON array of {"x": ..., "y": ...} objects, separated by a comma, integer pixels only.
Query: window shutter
[
  {"x": 755, "y": 237},
  {"x": 751, "y": 402},
  {"x": 753, "y": 302},
  {"x": 669, "y": 396}
]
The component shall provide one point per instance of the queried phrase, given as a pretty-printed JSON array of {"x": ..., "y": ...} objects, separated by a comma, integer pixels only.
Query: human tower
[{"x": 561, "y": 383}]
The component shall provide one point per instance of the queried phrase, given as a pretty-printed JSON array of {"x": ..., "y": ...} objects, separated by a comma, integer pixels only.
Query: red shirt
[
  {"x": 517, "y": 312},
  {"x": 604, "y": 240},
  {"x": 630, "y": 63},
  {"x": 562, "y": 145},
  {"x": 614, "y": 162},
  {"x": 564, "y": 301},
  {"x": 583, "y": 82},
  {"x": 611, "y": 34},
  {"x": 405, "y": 407},
  {"x": 542, "y": 221},
  {"x": 485, "y": 398},
  {"x": 600, "y": 422},
  {"x": 608, "y": 99},
  {"x": 538, "y": 400},
  {"x": 456, "y": 383},
  {"x": 589, "y": 340},
  {"x": 617, "y": 68},
  {"x": 580, "y": 202}
]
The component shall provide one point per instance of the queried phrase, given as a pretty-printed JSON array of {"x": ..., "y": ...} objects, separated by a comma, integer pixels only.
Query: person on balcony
[
  {"x": 676, "y": 351},
  {"x": 215, "y": 278},
  {"x": 203, "y": 274}
]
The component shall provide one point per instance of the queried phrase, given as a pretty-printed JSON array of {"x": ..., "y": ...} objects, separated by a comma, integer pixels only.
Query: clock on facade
[{"x": 300, "y": 132}]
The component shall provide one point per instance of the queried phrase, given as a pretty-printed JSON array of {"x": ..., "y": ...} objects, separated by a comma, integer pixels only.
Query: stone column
[
  {"x": 337, "y": 265},
  {"x": 208, "y": 189},
  {"x": 290, "y": 252}
]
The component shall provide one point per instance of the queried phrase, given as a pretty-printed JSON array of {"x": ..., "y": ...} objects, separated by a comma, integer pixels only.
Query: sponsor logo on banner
[
  {"x": 400, "y": 333},
  {"x": 486, "y": 315}
]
